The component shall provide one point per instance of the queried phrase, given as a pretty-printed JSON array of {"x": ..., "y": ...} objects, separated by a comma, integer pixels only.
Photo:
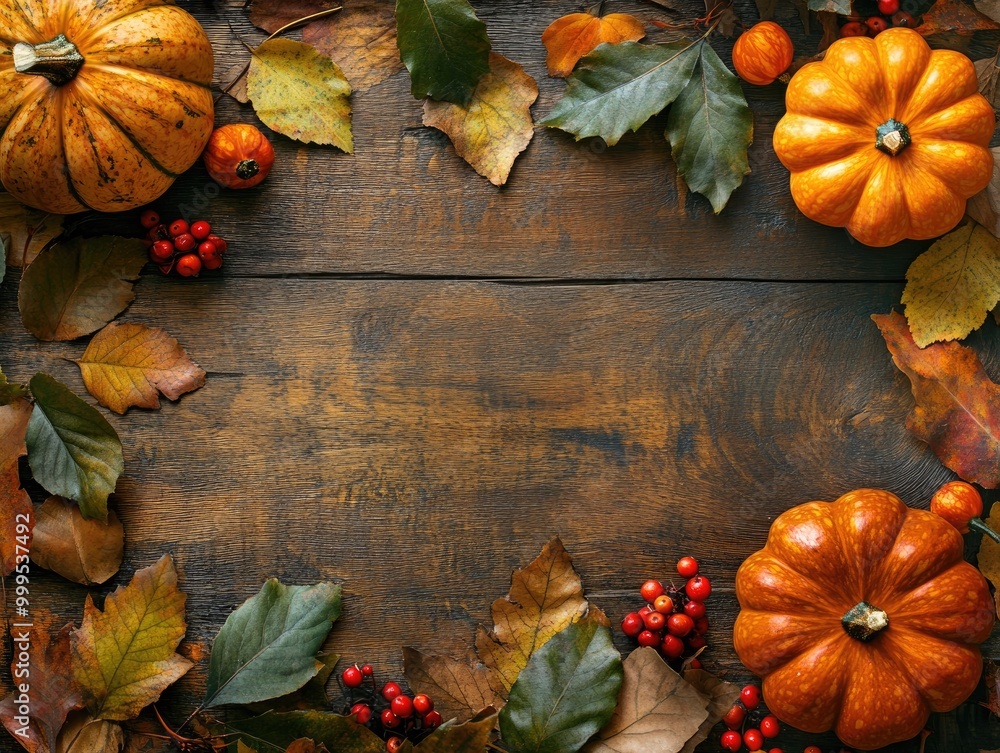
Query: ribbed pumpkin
[
  {"x": 102, "y": 104},
  {"x": 762, "y": 53},
  {"x": 886, "y": 137},
  {"x": 862, "y": 616}
]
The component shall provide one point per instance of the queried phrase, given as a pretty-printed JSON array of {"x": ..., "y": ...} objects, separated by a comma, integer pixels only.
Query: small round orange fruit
[
  {"x": 762, "y": 53},
  {"x": 238, "y": 155}
]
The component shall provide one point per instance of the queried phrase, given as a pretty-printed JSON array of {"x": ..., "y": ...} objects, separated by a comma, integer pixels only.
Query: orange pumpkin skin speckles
[
  {"x": 131, "y": 116},
  {"x": 762, "y": 53},
  {"x": 821, "y": 560},
  {"x": 827, "y": 138}
]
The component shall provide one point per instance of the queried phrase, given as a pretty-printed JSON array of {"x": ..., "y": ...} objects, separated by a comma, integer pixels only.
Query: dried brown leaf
[
  {"x": 989, "y": 555},
  {"x": 460, "y": 689},
  {"x": 721, "y": 696},
  {"x": 361, "y": 39},
  {"x": 26, "y": 231},
  {"x": 984, "y": 207},
  {"x": 81, "y": 550},
  {"x": 954, "y": 17},
  {"x": 271, "y": 15},
  {"x": 16, "y": 512},
  {"x": 84, "y": 734}
]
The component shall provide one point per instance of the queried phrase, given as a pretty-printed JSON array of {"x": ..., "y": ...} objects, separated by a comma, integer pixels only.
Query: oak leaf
[
  {"x": 569, "y": 38},
  {"x": 127, "y": 365},
  {"x": 53, "y": 693},
  {"x": 460, "y": 689},
  {"x": 126, "y": 656},
  {"x": 545, "y": 597},
  {"x": 657, "y": 710},
  {"x": 300, "y": 93},
  {"x": 953, "y": 285},
  {"x": 721, "y": 696},
  {"x": 495, "y": 126},
  {"x": 957, "y": 408},
  {"x": 83, "y": 551},
  {"x": 84, "y": 734},
  {"x": 25, "y": 231},
  {"x": 16, "y": 512}
]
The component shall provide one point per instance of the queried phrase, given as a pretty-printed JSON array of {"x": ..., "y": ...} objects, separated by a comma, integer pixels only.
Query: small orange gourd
[
  {"x": 238, "y": 156},
  {"x": 762, "y": 53},
  {"x": 862, "y": 616},
  {"x": 886, "y": 137}
]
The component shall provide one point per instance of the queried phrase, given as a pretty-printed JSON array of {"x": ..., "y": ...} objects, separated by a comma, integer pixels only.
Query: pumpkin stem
[
  {"x": 864, "y": 621},
  {"x": 892, "y": 137},
  {"x": 978, "y": 525},
  {"x": 57, "y": 60},
  {"x": 247, "y": 169}
]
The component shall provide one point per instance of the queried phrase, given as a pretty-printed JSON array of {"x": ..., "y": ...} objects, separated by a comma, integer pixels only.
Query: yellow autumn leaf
[
  {"x": 495, "y": 127},
  {"x": 300, "y": 93},
  {"x": 128, "y": 365},
  {"x": 569, "y": 38},
  {"x": 953, "y": 285},
  {"x": 126, "y": 656}
]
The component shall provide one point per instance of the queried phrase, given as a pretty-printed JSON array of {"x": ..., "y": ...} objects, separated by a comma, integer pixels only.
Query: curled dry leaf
[
  {"x": 84, "y": 734},
  {"x": 460, "y": 689},
  {"x": 300, "y": 93},
  {"x": 25, "y": 231},
  {"x": 721, "y": 696},
  {"x": 16, "y": 513},
  {"x": 984, "y": 207},
  {"x": 957, "y": 408},
  {"x": 126, "y": 656},
  {"x": 127, "y": 365},
  {"x": 569, "y": 38},
  {"x": 83, "y": 551},
  {"x": 545, "y": 598},
  {"x": 459, "y": 737},
  {"x": 495, "y": 127}
]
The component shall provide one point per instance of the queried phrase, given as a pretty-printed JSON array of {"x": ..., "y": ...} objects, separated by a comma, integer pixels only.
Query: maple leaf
[
  {"x": 460, "y": 689},
  {"x": 657, "y": 710},
  {"x": 957, "y": 408},
  {"x": 721, "y": 696},
  {"x": 25, "y": 231},
  {"x": 126, "y": 656},
  {"x": 53, "y": 694},
  {"x": 953, "y": 285},
  {"x": 84, "y": 734},
  {"x": 569, "y": 38},
  {"x": 361, "y": 39},
  {"x": 984, "y": 207},
  {"x": 545, "y": 597},
  {"x": 75, "y": 288},
  {"x": 495, "y": 126},
  {"x": 16, "y": 512},
  {"x": 300, "y": 93},
  {"x": 444, "y": 46},
  {"x": 83, "y": 551},
  {"x": 126, "y": 365}
]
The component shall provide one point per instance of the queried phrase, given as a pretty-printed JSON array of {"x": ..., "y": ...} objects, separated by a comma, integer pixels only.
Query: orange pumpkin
[
  {"x": 238, "y": 156},
  {"x": 762, "y": 53},
  {"x": 886, "y": 137},
  {"x": 862, "y": 616},
  {"x": 102, "y": 104}
]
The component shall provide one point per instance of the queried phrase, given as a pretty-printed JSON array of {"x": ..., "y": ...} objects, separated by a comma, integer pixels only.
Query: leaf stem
[{"x": 978, "y": 525}]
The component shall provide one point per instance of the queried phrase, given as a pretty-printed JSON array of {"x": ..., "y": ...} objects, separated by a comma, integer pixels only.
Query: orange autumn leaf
[
  {"x": 958, "y": 405},
  {"x": 15, "y": 505},
  {"x": 571, "y": 37}
]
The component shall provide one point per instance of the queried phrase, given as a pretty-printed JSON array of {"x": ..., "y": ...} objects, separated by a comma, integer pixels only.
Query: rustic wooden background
[{"x": 416, "y": 379}]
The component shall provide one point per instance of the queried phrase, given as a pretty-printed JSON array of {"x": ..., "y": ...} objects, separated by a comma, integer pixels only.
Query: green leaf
[
  {"x": 74, "y": 288},
  {"x": 566, "y": 694},
  {"x": 267, "y": 647},
  {"x": 72, "y": 450},
  {"x": 444, "y": 46},
  {"x": 618, "y": 87},
  {"x": 312, "y": 695},
  {"x": 709, "y": 128},
  {"x": 467, "y": 737},
  {"x": 273, "y": 732},
  {"x": 843, "y": 7},
  {"x": 10, "y": 392}
]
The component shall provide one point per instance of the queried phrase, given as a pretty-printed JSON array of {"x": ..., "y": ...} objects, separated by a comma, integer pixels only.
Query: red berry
[
  {"x": 185, "y": 242},
  {"x": 212, "y": 262},
  {"x": 854, "y": 29},
  {"x": 695, "y": 641},
  {"x": 362, "y": 712},
  {"x": 393, "y": 744},
  {"x": 663, "y": 604},
  {"x": 219, "y": 243},
  {"x": 775, "y": 750},
  {"x": 651, "y": 589},
  {"x": 750, "y": 697},
  {"x": 422, "y": 704},
  {"x": 904, "y": 19},
  {"x": 888, "y": 7},
  {"x": 687, "y": 567},
  {"x": 672, "y": 647},
  {"x": 352, "y": 676},
  {"x": 432, "y": 719},
  {"x": 366, "y": 670},
  {"x": 645, "y": 610},
  {"x": 769, "y": 726},
  {"x": 207, "y": 249},
  {"x": 753, "y": 739},
  {"x": 161, "y": 252},
  {"x": 158, "y": 233},
  {"x": 632, "y": 625},
  {"x": 201, "y": 230},
  {"x": 695, "y": 610},
  {"x": 735, "y": 716},
  {"x": 695, "y": 664},
  {"x": 812, "y": 749},
  {"x": 731, "y": 741},
  {"x": 390, "y": 690},
  {"x": 655, "y": 621},
  {"x": 390, "y": 720},
  {"x": 178, "y": 227},
  {"x": 876, "y": 25},
  {"x": 648, "y": 638},
  {"x": 402, "y": 706},
  {"x": 149, "y": 219},
  {"x": 189, "y": 265},
  {"x": 698, "y": 588},
  {"x": 701, "y": 624},
  {"x": 679, "y": 625}
]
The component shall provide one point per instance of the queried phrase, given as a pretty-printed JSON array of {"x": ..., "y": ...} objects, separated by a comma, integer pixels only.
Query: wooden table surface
[{"x": 415, "y": 379}]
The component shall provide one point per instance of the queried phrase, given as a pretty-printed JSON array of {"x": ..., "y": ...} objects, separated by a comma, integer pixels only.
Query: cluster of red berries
[
  {"x": 406, "y": 715},
  {"x": 749, "y": 724},
  {"x": 889, "y": 15},
  {"x": 673, "y": 619},
  {"x": 182, "y": 248}
]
